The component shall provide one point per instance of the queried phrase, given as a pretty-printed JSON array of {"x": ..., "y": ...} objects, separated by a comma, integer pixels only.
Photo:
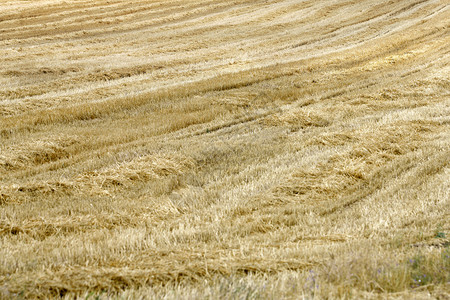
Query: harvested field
[{"x": 263, "y": 149}]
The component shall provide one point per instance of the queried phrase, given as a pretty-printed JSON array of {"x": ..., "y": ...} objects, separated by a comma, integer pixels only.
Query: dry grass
[{"x": 276, "y": 149}]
